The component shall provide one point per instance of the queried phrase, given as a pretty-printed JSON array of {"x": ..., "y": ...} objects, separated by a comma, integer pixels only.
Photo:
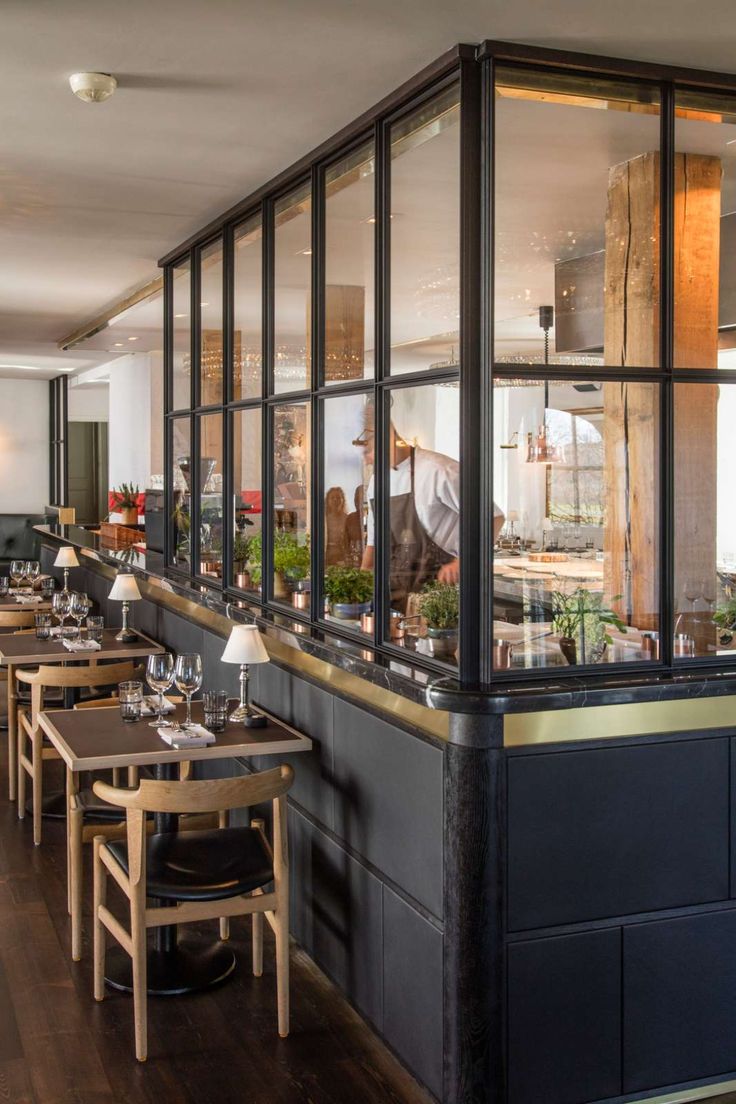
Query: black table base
[{"x": 192, "y": 965}]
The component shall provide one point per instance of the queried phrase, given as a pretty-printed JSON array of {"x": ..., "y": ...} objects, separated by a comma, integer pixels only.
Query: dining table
[
  {"x": 97, "y": 739},
  {"x": 24, "y": 649}
]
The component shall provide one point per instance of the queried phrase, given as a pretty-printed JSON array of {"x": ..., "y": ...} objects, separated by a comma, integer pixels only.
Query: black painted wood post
[{"x": 474, "y": 846}]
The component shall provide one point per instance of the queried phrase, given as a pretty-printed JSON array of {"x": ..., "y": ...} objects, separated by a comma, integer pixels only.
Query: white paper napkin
[
  {"x": 81, "y": 645},
  {"x": 193, "y": 737},
  {"x": 28, "y": 599},
  {"x": 150, "y": 706}
]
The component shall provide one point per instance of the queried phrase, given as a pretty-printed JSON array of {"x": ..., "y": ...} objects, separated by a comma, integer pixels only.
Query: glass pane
[
  {"x": 348, "y": 468},
  {"x": 705, "y": 522},
  {"x": 247, "y": 503},
  {"x": 576, "y": 221},
  {"x": 576, "y": 567},
  {"x": 210, "y": 367},
  {"x": 424, "y": 512},
  {"x": 181, "y": 511},
  {"x": 182, "y": 333},
  {"x": 210, "y": 495},
  {"x": 705, "y": 231},
  {"x": 349, "y": 267},
  {"x": 425, "y": 236},
  {"x": 291, "y": 581},
  {"x": 292, "y": 290},
  {"x": 248, "y": 320}
]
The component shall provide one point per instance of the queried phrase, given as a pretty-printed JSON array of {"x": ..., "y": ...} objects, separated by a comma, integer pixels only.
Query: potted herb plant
[
  {"x": 291, "y": 563},
  {"x": 583, "y": 623},
  {"x": 349, "y": 590},
  {"x": 241, "y": 555},
  {"x": 439, "y": 605},
  {"x": 725, "y": 619},
  {"x": 125, "y": 502}
]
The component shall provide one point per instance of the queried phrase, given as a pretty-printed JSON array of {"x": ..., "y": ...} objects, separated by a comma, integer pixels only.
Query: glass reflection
[
  {"x": 181, "y": 494},
  {"x": 291, "y": 563},
  {"x": 247, "y": 501},
  {"x": 181, "y": 398},
  {"x": 292, "y": 290},
  {"x": 247, "y": 307},
  {"x": 210, "y": 348},
  {"x": 210, "y": 495},
  {"x": 576, "y": 567},
  {"x": 576, "y": 219},
  {"x": 349, "y": 263},
  {"x": 424, "y": 516},
  {"x": 705, "y": 523},
  {"x": 425, "y": 236},
  {"x": 347, "y": 475}
]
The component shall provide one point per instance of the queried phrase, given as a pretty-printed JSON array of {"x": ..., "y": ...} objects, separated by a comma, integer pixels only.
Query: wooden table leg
[{"x": 12, "y": 734}]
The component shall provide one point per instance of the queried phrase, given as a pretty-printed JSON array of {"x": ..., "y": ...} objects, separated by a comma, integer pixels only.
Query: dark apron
[{"x": 415, "y": 557}]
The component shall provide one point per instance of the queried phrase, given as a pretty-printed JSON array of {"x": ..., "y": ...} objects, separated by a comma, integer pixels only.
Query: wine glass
[
  {"x": 17, "y": 571},
  {"x": 32, "y": 570},
  {"x": 79, "y": 607},
  {"x": 188, "y": 678},
  {"x": 60, "y": 604},
  {"x": 160, "y": 675}
]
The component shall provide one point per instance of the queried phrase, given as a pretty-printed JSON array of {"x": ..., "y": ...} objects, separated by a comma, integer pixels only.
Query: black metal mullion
[
  {"x": 228, "y": 371},
  {"x": 196, "y": 451},
  {"x": 382, "y": 346},
  {"x": 487, "y": 339},
  {"x": 267, "y": 383},
  {"x": 475, "y": 547},
  {"x": 316, "y": 408},
  {"x": 666, "y": 354}
]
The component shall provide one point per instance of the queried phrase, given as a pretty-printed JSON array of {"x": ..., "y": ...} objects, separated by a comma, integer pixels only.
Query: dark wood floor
[{"x": 58, "y": 1045}]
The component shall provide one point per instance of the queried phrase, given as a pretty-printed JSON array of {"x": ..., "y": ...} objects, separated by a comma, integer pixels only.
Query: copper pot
[
  {"x": 502, "y": 654},
  {"x": 300, "y": 599},
  {"x": 367, "y": 623},
  {"x": 650, "y": 645}
]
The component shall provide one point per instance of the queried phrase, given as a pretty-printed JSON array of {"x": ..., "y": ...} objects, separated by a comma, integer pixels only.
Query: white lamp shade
[
  {"x": 245, "y": 645},
  {"x": 67, "y": 557},
  {"x": 124, "y": 589}
]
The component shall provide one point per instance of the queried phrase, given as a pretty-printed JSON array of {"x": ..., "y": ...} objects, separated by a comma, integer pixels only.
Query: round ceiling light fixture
[{"x": 93, "y": 87}]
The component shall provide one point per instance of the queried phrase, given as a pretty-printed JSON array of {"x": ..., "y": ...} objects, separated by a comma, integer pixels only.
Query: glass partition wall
[{"x": 460, "y": 389}]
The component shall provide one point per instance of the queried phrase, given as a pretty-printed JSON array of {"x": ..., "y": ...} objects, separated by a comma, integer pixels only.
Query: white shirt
[{"x": 436, "y": 497}]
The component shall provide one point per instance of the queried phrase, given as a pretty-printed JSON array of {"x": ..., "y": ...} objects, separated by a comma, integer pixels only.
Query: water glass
[
  {"x": 48, "y": 586},
  {"x": 188, "y": 678},
  {"x": 215, "y": 710},
  {"x": 44, "y": 621},
  {"x": 131, "y": 700},
  {"x": 4, "y": 586},
  {"x": 95, "y": 625}
]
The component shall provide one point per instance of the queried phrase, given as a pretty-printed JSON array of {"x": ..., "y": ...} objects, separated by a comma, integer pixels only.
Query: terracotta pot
[
  {"x": 569, "y": 649},
  {"x": 129, "y": 515}
]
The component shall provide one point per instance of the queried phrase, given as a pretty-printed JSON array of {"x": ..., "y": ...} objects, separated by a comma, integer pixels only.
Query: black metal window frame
[{"x": 473, "y": 69}]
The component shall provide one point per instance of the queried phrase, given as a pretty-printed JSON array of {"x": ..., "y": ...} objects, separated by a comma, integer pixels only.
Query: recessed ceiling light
[
  {"x": 132, "y": 339},
  {"x": 204, "y": 304},
  {"x": 180, "y": 316},
  {"x": 304, "y": 253},
  {"x": 22, "y": 367},
  {"x": 118, "y": 344}
]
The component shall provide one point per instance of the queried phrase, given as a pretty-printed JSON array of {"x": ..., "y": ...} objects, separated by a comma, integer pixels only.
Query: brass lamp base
[
  {"x": 126, "y": 636},
  {"x": 245, "y": 716}
]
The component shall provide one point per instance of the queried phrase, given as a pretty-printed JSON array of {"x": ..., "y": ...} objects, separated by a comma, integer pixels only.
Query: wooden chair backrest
[
  {"x": 212, "y": 795},
  {"x": 89, "y": 675},
  {"x": 97, "y": 703},
  {"x": 200, "y": 797},
  {"x": 17, "y": 619}
]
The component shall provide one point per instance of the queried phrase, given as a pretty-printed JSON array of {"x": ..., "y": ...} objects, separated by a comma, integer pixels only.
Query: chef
[{"x": 424, "y": 514}]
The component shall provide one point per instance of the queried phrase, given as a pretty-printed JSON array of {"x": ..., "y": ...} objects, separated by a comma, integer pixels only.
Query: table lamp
[
  {"x": 245, "y": 646},
  {"x": 66, "y": 558},
  {"x": 125, "y": 590}
]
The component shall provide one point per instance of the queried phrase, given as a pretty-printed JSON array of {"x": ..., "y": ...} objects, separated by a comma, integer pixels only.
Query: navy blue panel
[
  {"x": 679, "y": 1000},
  {"x": 336, "y": 915},
  {"x": 412, "y": 989},
  {"x": 606, "y": 832},
  {"x": 564, "y": 1000},
  {"x": 388, "y": 801}
]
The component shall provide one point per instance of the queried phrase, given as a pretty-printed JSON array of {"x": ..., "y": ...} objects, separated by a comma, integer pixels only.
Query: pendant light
[{"x": 539, "y": 450}]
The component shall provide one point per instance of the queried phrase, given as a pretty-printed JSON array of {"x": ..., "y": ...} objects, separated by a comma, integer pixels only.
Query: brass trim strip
[
  {"x": 89, "y": 329},
  {"x": 433, "y": 722},
  {"x": 705, "y": 1092},
  {"x": 603, "y": 722}
]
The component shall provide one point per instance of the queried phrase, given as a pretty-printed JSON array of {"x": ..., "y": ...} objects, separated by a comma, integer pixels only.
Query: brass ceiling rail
[{"x": 101, "y": 321}]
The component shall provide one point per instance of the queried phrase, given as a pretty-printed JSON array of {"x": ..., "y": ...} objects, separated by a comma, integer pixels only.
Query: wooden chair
[
  {"x": 220, "y": 873},
  {"x": 17, "y": 619},
  {"x": 40, "y": 679}
]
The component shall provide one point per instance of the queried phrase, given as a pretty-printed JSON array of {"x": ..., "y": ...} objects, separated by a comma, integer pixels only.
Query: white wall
[
  {"x": 129, "y": 433},
  {"x": 24, "y": 446},
  {"x": 88, "y": 403}
]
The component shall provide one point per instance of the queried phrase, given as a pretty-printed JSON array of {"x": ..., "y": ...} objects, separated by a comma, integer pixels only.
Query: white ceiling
[{"x": 213, "y": 100}]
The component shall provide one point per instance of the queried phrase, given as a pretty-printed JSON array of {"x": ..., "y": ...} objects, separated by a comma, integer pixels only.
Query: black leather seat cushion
[
  {"x": 202, "y": 866},
  {"x": 98, "y": 811}
]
